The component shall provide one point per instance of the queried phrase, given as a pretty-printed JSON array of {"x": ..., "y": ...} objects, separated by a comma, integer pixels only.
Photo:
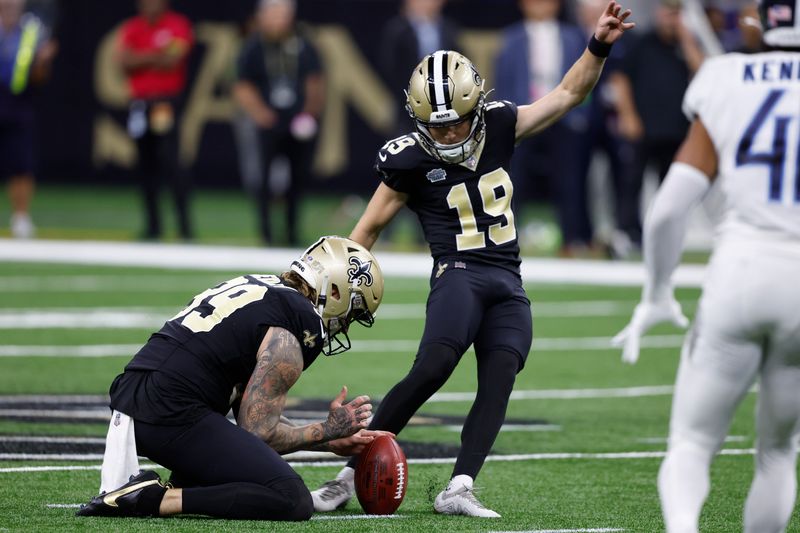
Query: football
[{"x": 381, "y": 476}]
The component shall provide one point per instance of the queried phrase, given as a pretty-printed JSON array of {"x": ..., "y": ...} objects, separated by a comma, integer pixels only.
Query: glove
[{"x": 646, "y": 315}]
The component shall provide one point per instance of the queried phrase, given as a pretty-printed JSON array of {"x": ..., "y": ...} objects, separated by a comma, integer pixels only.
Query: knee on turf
[{"x": 301, "y": 506}]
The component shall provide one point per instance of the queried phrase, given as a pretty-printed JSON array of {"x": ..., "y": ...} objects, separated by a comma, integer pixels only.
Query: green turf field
[
  {"x": 544, "y": 492},
  {"x": 229, "y": 217}
]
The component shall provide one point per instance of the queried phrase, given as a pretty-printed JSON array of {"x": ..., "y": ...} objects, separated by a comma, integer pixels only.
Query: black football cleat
[{"x": 139, "y": 497}]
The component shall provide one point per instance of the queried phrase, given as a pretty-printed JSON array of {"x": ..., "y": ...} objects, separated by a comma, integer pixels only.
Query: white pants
[{"x": 747, "y": 326}]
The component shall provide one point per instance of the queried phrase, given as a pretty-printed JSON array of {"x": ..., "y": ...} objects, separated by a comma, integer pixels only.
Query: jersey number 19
[{"x": 493, "y": 205}]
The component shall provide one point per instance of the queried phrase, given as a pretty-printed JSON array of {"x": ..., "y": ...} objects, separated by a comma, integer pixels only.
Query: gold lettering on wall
[
  {"x": 111, "y": 141},
  {"x": 482, "y": 47},
  {"x": 351, "y": 82},
  {"x": 205, "y": 103}
]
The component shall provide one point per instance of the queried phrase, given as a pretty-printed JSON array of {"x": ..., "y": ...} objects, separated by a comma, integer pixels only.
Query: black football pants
[
  {"x": 481, "y": 305},
  {"x": 158, "y": 167},
  {"x": 224, "y": 471}
]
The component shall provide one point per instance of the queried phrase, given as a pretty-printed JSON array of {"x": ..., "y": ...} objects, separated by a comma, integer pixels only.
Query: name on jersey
[{"x": 769, "y": 70}]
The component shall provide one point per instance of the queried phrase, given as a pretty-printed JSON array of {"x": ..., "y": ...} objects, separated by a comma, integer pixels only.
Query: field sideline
[{"x": 579, "y": 452}]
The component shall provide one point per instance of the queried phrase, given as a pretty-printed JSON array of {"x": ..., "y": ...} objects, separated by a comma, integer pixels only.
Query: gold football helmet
[
  {"x": 446, "y": 89},
  {"x": 349, "y": 286}
]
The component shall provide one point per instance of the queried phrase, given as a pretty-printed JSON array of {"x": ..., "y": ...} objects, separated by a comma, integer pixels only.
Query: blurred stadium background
[{"x": 585, "y": 435}]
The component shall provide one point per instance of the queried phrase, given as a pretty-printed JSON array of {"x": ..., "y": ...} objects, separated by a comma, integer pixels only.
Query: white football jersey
[{"x": 750, "y": 105}]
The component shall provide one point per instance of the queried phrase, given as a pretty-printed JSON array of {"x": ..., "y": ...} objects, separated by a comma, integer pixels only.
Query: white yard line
[
  {"x": 356, "y": 517},
  {"x": 85, "y": 414},
  {"x": 63, "y": 505},
  {"x": 663, "y": 440},
  {"x": 442, "y": 460},
  {"x": 85, "y": 319},
  {"x": 563, "y": 394},
  {"x": 55, "y": 398},
  {"x": 146, "y": 282},
  {"x": 239, "y": 259},
  {"x": 154, "y": 317},
  {"x": 540, "y": 344},
  {"x": 505, "y": 428},
  {"x": 80, "y": 350},
  {"x": 52, "y": 440}
]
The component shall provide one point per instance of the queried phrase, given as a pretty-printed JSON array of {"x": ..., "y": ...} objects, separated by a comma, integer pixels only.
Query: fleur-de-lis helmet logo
[{"x": 359, "y": 272}]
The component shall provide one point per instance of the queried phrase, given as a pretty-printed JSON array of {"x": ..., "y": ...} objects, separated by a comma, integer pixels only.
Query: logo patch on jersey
[
  {"x": 437, "y": 174},
  {"x": 460, "y": 264},
  {"x": 359, "y": 272},
  {"x": 442, "y": 268},
  {"x": 382, "y": 157},
  {"x": 309, "y": 339}
]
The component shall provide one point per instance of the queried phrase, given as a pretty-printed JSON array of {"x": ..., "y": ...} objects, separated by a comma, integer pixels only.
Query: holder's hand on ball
[{"x": 355, "y": 443}]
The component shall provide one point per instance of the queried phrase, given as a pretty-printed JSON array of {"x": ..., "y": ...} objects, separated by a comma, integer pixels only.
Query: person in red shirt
[{"x": 153, "y": 50}]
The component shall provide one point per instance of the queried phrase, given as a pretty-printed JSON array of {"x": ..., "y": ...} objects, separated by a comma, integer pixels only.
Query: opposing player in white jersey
[{"x": 745, "y": 133}]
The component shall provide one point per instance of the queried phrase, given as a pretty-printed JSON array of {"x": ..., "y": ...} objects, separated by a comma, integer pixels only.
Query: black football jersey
[
  {"x": 464, "y": 213},
  {"x": 211, "y": 346}
]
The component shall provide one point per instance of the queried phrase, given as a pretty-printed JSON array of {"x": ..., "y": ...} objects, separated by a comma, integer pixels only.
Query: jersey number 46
[{"x": 775, "y": 159}]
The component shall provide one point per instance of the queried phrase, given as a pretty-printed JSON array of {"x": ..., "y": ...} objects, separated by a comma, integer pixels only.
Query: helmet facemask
[
  {"x": 336, "y": 328},
  {"x": 456, "y": 152}
]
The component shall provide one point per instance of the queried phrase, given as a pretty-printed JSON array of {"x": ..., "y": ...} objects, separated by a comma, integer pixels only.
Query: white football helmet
[
  {"x": 446, "y": 89},
  {"x": 349, "y": 286}
]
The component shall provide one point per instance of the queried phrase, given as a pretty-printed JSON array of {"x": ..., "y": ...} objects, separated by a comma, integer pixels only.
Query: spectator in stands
[
  {"x": 280, "y": 86},
  {"x": 535, "y": 55},
  {"x": 418, "y": 30},
  {"x": 26, "y": 53},
  {"x": 649, "y": 89},
  {"x": 153, "y": 50},
  {"x": 603, "y": 133}
]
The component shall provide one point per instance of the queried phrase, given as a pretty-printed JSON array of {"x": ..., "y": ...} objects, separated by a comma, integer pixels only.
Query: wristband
[{"x": 598, "y": 48}]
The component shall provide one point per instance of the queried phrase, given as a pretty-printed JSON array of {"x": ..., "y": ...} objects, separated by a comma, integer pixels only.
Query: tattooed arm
[{"x": 279, "y": 364}]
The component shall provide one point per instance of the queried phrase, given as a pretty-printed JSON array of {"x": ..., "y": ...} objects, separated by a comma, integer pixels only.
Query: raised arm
[
  {"x": 579, "y": 80},
  {"x": 382, "y": 208},
  {"x": 279, "y": 364}
]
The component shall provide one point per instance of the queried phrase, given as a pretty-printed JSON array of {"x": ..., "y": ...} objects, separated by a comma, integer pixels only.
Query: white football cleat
[
  {"x": 459, "y": 499},
  {"x": 335, "y": 493}
]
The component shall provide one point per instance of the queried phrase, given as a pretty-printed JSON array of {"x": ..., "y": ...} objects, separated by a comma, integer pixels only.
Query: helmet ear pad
[{"x": 446, "y": 89}]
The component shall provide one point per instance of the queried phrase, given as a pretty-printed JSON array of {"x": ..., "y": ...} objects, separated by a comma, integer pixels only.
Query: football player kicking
[
  {"x": 745, "y": 113},
  {"x": 453, "y": 172},
  {"x": 253, "y": 334}
]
